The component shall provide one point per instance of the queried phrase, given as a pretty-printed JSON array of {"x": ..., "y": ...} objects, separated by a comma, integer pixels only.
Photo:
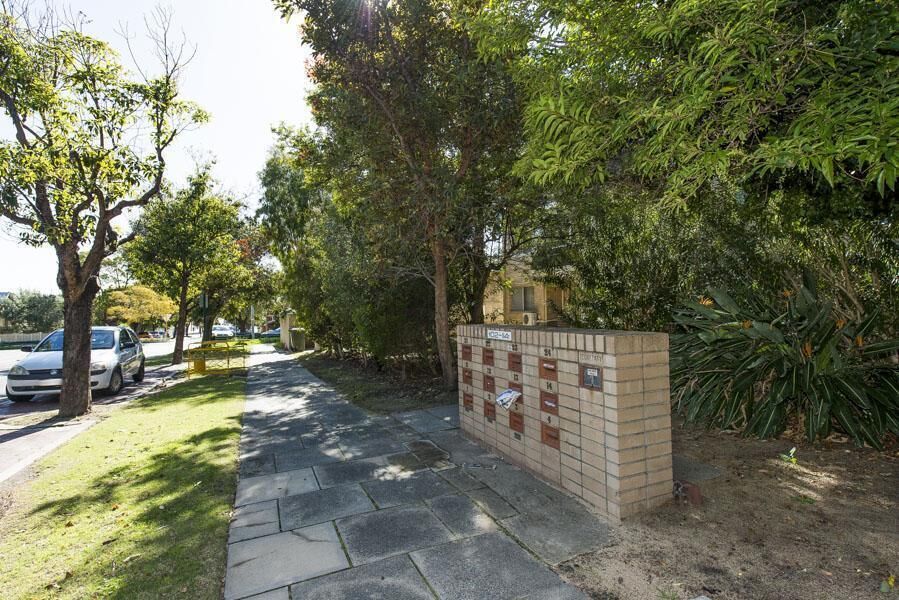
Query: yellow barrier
[{"x": 217, "y": 358}]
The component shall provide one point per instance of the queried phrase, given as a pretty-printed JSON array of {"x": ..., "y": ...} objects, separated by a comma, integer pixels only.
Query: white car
[
  {"x": 222, "y": 332},
  {"x": 116, "y": 353}
]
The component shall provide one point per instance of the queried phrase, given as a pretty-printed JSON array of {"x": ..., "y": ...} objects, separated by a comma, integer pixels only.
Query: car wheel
[
  {"x": 115, "y": 382},
  {"x": 139, "y": 376},
  {"x": 18, "y": 398}
]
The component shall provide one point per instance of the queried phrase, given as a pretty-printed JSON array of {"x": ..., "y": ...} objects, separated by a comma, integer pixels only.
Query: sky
[{"x": 248, "y": 73}]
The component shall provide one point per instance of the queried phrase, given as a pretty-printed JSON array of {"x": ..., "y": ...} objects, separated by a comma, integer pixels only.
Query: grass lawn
[
  {"x": 158, "y": 361},
  {"x": 136, "y": 507},
  {"x": 377, "y": 391}
]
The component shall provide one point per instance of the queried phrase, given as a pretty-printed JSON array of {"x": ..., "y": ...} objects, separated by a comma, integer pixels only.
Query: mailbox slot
[
  {"x": 549, "y": 435},
  {"x": 548, "y": 369},
  {"x": 489, "y": 385},
  {"x": 488, "y": 357},
  {"x": 466, "y": 376},
  {"x": 466, "y": 352},
  {"x": 516, "y": 422},
  {"x": 549, "y": 402},
  {"x": 515, "y": 362},
  {"x": 518, "y": 388},
  {"x": 490, "y": 409},
  {"x": 468, "y": 401}
]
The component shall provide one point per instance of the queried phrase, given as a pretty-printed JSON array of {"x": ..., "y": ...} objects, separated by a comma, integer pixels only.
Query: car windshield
[{"x": 100, "y": 340}]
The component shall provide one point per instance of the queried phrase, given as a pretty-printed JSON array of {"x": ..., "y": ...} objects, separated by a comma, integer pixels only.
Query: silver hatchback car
[{"x": 116, "y": 353}]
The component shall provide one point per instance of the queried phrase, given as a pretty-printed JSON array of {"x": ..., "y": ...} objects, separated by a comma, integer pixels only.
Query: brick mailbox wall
[{"x": 595, "y": 415}]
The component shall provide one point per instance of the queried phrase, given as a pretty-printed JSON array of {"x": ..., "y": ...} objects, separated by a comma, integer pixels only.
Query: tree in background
[
  {"x": 138, "y": 306},
  {"x": 89, "y": 143},
  {"x": 781, "y": 114},
  {"x": 418, "y": 133},
  {"x": 241, "y": 277},
  {"x": 180, "y": 238},
  {"x": 28, "y": 311}
]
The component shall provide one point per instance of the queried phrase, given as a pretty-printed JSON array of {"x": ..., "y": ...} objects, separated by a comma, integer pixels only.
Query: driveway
[{"x": 335, "y": 503}]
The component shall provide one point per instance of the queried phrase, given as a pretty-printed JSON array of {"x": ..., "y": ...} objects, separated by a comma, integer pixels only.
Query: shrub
[{"x": 759, "y": 367}]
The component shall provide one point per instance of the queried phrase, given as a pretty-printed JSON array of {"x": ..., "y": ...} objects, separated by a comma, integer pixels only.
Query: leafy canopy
[
  {"x": 758, "y": 95},
  {"x": 138, "y": 305}
]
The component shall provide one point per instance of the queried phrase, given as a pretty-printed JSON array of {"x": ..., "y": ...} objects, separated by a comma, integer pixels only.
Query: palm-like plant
[{"x": 757, "y": 367}]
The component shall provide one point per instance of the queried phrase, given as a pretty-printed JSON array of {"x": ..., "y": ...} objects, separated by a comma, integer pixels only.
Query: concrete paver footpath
[{"x": 335, "y": 503}]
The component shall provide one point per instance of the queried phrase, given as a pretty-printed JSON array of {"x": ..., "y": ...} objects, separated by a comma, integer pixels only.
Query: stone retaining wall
[{"x": 595, "y": 417}]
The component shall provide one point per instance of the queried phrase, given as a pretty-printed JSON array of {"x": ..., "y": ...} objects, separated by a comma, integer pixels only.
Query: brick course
[{"x": 595, "y": 418}]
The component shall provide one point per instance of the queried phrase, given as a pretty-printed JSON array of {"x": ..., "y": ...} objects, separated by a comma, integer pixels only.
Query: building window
[{"x": 523, "y": 299}]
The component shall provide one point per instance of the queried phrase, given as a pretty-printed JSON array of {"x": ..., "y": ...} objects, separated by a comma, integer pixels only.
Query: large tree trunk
[
  {"x": 441, "y": 314},
  {"x": 480, "y": 275},
  {"x": 480, "y": 279},
  {"x": 181, "y": 323},
  {"x": 75, "y": 395}
]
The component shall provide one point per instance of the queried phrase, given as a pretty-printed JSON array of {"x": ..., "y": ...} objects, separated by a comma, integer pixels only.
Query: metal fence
[{"x": 217, "y": 358}]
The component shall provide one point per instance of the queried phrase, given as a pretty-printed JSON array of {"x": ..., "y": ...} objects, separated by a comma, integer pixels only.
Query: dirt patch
[
  {"x": 379, "y": 390},
  {"x": 824, "y": 527}
]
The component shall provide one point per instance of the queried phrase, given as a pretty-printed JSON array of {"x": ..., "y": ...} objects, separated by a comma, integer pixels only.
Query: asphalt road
[{"x": 9, "y": 357}]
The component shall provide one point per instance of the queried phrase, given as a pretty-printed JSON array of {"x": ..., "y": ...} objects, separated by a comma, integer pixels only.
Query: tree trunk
[
  {"x": 480, "y": 275},
  {"x": 476, "y": 305},
  {"x": 441, "y": 314},
  {"x": 75, "y": 395},
  {"x": 208, "y": 320},
  {"x": 181, "y": 323}
]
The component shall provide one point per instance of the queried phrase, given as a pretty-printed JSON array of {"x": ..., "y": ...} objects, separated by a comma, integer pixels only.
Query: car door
[
  {"x": 127, "y": 351},
  {"x": 138, "y": 350}
]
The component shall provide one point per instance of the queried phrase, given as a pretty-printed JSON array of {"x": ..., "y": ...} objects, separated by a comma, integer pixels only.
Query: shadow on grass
[{"x": 165, "y": 514}]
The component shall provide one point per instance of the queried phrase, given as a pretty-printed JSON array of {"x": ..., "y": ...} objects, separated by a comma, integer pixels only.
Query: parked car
[
  {"x": 116, "y": 353},
  {"x": 222, "y": 332},
  {"x": 271, "y": 333}
]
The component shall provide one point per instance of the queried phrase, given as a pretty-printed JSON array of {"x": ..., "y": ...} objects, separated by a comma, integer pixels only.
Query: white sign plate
[{"x": 499, "y": 334}]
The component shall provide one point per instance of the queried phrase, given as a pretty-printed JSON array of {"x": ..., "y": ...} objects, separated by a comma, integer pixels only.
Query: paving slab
[
  {"x": 375, "y": 446},
  {"x": 448, "y": 413},
  {"x": 519, "y": 488},
  {"x": 367, "y": 469},
  {"x": 462, "y": 450},
  {"x": 390, "y": 579},
  {"x": 559, "y": 533},
  {"x": 276, "y": 485},
  {"x": 461, "y": 515},
  {"x": 407, "y": 490},
  {"x": 308, "y": 457},
  {"x": 323, "y": 505},
  {"x": 254, "y": 520},
  {"x": 278, "y": 594},
  {"x": 262, "y": 464},
  {"x": 489, "y": 566},
  {"x": 274, "y": 561},
  {"x": 492, "y": 503},
  {"x": 423, "y": 421},
  {"x": 377, "y": 535}
]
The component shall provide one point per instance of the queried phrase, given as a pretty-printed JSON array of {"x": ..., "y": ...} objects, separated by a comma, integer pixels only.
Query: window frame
[{"x": 524, "y": 306}]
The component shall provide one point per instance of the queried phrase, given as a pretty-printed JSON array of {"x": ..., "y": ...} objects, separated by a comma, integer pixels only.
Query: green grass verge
[
  {"x": 377, "y": 391},
  {"x": 158, "y": 361},
  {"x": 136, "y": 507}
]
